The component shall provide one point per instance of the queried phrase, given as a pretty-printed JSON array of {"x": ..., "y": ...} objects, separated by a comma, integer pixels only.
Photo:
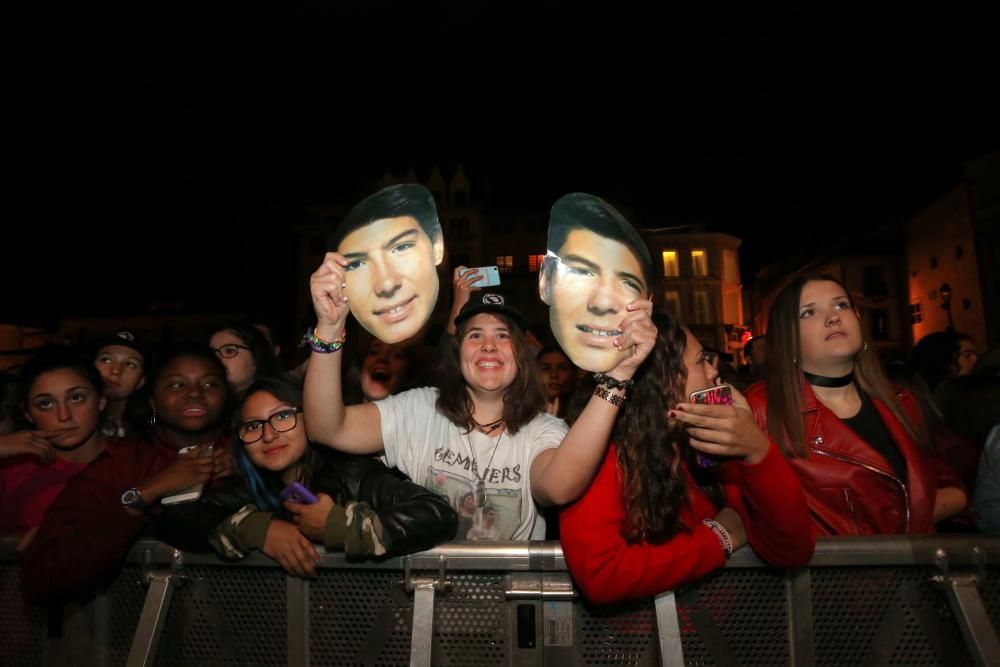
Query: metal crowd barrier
[{"x": 861, "y": 601}]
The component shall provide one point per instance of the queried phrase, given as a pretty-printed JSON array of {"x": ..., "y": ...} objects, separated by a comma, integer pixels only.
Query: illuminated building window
[
  {"x": 670, "y": 267},
  {"x": 699, "y": 262}
]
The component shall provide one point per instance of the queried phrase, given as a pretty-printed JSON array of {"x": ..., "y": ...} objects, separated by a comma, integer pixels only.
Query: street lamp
[{"x": 945, "y": 290}]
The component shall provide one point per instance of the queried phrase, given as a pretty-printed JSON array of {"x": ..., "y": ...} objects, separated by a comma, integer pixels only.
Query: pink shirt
[{"x": 27, "y": 488}]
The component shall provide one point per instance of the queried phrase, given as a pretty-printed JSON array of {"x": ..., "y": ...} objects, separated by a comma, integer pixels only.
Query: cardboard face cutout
[
  {"x": 596, "y": 265},
  {"x": 393, "y": 242}
]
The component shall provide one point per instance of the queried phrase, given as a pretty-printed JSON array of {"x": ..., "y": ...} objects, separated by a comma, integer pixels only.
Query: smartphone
[
  {"x": 194, "y": 491},
  {"x": 721, "y": 395},
  {"x": 298, "y": 494},
  {"x": 489, "y": 276}
]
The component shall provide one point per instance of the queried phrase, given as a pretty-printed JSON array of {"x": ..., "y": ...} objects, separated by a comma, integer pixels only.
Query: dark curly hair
[{"x": 651, "y": 449}]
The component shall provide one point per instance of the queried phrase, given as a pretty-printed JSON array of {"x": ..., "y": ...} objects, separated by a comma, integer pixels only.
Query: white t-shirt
[{"x": 435, "y": 453}]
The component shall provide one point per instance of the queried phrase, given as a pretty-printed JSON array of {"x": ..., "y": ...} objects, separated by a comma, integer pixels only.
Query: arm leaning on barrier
[
  {"x": 768, "y": 497},
  {"x": 390, "y": 515},
  {"x": 85, "y": 534},
  {"x": 191, "y": 526},
  {"x": 607, "y": 568},
  {"x": 249, "y": 529},
  {"x": 759, "y": 483}
]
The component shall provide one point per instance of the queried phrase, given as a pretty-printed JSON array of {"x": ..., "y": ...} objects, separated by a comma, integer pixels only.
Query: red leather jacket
[{"x": 850, "y": 488}]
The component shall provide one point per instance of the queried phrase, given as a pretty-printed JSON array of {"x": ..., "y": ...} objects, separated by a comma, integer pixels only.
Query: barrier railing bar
[
  {"x": 979, "y": 633},
  {"x": 547, "y": 556},
  {"x": 801, "y": 645},
  {"x": 668, "y": 629},
  {"x": 153, "y": 618},
  {"x": 297, "y": 598}
]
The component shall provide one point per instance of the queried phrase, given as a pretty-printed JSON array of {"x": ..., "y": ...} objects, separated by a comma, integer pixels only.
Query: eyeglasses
[
  {"x": 253, "y": 430},
  {"x": 229, "y": 350}
]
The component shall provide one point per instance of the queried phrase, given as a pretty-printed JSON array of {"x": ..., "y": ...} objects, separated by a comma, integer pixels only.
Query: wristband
[
  {"x": 612, "y": 383},
  {"x": 324, "y": 346},
  {"x": 613, "y": 399},
  {"x": 722, "y": 534}
]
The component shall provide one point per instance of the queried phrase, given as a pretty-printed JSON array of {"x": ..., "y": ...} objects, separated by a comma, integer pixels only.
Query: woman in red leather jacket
[{"x": 859, "y": 446}]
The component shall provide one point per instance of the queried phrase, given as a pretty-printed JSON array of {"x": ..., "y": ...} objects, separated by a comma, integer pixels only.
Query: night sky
[{"x": 214, "y": 127}]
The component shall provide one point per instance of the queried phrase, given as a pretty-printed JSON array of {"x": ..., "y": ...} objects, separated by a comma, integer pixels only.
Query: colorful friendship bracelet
[{"x": 324, "y": 346}]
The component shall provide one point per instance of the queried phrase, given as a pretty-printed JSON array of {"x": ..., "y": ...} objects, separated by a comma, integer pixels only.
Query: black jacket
[{"x": 413, "y": 518}]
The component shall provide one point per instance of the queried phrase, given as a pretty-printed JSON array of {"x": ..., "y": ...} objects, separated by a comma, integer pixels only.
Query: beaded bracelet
[
  {"x": 613, "y": 399},
  {"x": 722, "y": 534},
  {"x": 324, "y": 346},
  {"x": 612, "y": 383}
]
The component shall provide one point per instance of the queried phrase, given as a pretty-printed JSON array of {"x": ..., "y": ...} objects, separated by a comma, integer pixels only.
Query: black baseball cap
[
  {"x": 490, "y": 302},
  {"x": 125, "y": 339}
]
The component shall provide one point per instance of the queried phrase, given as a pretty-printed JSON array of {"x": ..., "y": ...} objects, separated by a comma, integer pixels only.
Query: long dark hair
[
  {"x": 785, "y": 379},
  {"x": 263, "y": 482},
  {"x": 650, "y": 449},
  {"x": 522, "y": 400}
]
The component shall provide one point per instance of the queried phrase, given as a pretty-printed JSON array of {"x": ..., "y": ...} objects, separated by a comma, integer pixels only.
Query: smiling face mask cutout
[
  {"x": 393, "y": 243},
  {"x": 596, "y": 265}
]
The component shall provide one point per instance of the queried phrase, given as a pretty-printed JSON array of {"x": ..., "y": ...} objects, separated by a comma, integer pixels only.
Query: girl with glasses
[
  {"x": 361, "y": 507},
  {"x": 245, "y": 352}
]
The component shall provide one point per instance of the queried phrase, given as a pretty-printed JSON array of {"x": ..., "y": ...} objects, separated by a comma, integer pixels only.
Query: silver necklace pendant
[{"x": 480, "y": 493}]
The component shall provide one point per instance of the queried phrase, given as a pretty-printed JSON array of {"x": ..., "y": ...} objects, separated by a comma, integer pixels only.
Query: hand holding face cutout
[
  {"x": 639, "y": 334},
  {"x": 327, "y": 289}
]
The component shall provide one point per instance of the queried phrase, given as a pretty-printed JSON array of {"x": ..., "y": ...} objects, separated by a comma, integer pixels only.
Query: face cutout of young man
[
  {"x": 596, "y": 265},
  {"x": 393, "y": 243}
]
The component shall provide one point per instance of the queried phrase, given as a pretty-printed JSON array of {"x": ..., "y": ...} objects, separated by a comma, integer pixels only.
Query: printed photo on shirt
[{"x": 497, "y": 520}]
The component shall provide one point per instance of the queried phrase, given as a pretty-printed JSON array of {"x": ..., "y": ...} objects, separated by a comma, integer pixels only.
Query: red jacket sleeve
[
  {"x": 84, "y": 535},
  {"x": 769, "y": 499},
  {"x": 609, "y": 569}
]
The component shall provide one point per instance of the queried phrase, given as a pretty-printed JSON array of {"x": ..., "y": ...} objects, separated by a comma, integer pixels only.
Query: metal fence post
[{"x": 668, "y": 629}]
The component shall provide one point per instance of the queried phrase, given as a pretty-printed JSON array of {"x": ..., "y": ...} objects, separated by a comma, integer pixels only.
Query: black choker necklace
[
  {"x": 71, "y": 448},
  {"x": 824, "y": 381},
  {"x": 486, "y": 429}
]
